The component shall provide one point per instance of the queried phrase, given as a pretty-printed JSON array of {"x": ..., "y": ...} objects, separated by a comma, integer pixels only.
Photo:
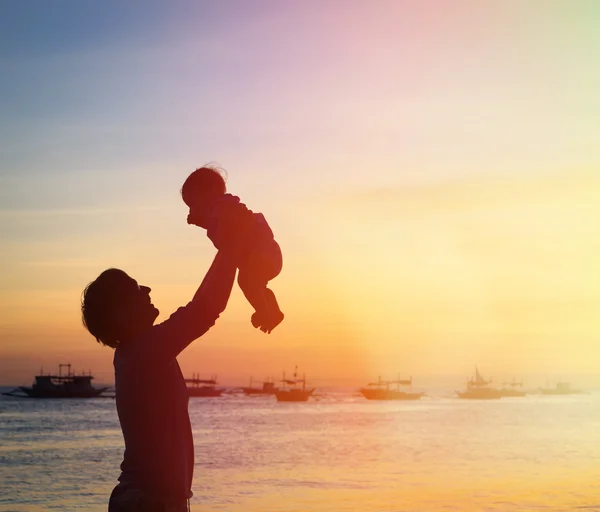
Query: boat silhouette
[
  {"x": 267, "y": 388},
  {"x": 383, "y": 390},
  {"x": 203, "y": 387},
  {"x": 294, "y": 390},
  {"x": 509, "y": 389},
  {"x": 479, "y": 389},
  {"x": 61, "y": 385},
  {"x": 561, "y": 388}
]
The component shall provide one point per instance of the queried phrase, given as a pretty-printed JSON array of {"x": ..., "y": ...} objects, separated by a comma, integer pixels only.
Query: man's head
[
  {"x": 115, "y": 308},
  {"x": 200, "y": 190}
]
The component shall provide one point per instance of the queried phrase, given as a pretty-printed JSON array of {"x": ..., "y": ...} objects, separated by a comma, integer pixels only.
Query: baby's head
[{"x": 200, "y": 190}]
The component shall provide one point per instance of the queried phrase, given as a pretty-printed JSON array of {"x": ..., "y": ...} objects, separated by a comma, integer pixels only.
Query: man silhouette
[{"x": 150, "y": 391}]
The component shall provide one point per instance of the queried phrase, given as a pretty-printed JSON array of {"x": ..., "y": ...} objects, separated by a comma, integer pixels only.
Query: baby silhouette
[{"x": 205, "y": 193}]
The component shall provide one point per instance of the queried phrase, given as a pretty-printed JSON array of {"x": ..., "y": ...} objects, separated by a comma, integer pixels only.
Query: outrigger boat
[
  {"x": 62, "y": 385},
  {"x": 294, "y": 390},
  {"x": 479, "y": 389},
  {"x": 381, "y": 390},
  {"x": 267, "y": 388},
  {"x": 203, "y": 387}
]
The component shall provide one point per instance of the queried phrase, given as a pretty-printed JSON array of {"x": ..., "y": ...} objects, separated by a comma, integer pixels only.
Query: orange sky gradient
[
  {"x": 432, "y": 176},
  {"x": 418, "y": 280}
]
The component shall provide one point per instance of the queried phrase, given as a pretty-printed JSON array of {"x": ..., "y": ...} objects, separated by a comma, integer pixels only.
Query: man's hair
[
  {"x": 206, "y": 180},
  {"x": 100, "y": 301}
]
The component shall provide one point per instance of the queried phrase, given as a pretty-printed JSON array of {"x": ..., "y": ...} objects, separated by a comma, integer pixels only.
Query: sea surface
[{"x": 337, "y": 453}]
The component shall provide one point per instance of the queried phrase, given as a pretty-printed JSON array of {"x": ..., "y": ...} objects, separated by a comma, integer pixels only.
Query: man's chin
[{"x": 196, "y": 222}]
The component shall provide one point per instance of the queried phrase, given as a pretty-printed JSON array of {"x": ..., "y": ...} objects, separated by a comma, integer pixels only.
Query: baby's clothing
[
  {"x": 260, "y": 242},
  {"x": 260, "y": 262}
]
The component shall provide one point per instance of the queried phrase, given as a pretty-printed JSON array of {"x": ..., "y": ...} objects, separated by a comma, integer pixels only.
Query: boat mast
[{"x": 68, "y": 365}]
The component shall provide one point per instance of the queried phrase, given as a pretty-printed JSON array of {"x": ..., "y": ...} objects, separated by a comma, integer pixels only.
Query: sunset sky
[{"x": 431, "y": 170}]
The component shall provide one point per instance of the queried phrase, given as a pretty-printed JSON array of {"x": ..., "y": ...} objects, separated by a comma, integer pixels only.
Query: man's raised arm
[{"x": 168, "y": 339}]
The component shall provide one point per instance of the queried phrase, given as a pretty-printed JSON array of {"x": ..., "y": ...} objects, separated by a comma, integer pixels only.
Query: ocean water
[{"x": 340, "y": 453}]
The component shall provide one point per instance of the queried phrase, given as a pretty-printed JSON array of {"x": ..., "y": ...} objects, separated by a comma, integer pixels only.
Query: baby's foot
[
  {"x": 256, "y": 319},
  {"x": 272, "y": 321}
]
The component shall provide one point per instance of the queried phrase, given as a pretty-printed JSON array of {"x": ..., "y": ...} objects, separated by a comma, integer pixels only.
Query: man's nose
[{"x": 145, "y": 289}]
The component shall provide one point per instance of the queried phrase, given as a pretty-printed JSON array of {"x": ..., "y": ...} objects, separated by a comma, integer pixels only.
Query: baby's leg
[
  {"x": 253, "y": 285},
  {"x": 253, "y": 278},
  {"x": 273, "y": 259}
]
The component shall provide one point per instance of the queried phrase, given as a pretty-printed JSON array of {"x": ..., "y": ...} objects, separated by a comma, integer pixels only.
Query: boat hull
[
  {"x": 561, "y": 392},
  {"x": 256, "y": 391},
  {"x": 293, "y": 395},
  {"x": 61, "y": 392},
  {"x": 480, "y": 394},
  {"x": 204, "y": 391},
  {"x": 383, "y": 394},
  {"x": 512, "y": 393}
]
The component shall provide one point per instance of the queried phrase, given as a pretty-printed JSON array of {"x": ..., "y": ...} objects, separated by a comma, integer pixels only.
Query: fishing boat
[
  {"x": 509, "y": 389},
  {"x": 294, "y": 390},
  {"x": 561, "y": 388},
  {"x": 267, "y": 388},
  {"x": 479, "y": 389},
  {"x": 203, "y": 387},
  {"x": 61, "y": 385},
  {"x": 389, "y": 390}
]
